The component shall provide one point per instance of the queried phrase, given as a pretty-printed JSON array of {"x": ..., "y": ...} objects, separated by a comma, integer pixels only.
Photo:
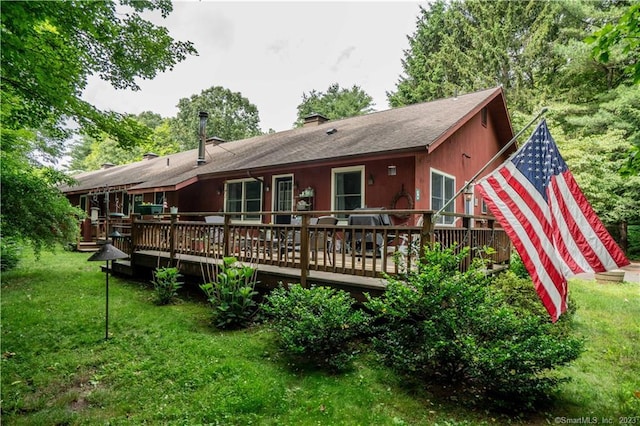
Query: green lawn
[{"x": 167, "y": 365}]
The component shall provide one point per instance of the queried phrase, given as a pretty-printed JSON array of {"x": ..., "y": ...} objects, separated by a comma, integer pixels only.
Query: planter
[
  {"x": 150, "y": 209},
  {"x": 610, "y": 277},
  {"x": 173, "y": 210}
]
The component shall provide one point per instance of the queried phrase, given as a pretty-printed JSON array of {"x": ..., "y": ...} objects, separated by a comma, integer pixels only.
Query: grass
[{"x": 168, "y": 365}]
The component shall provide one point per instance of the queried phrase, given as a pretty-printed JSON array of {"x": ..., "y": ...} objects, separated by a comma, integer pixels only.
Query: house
[{"x": 414, "y": 157}]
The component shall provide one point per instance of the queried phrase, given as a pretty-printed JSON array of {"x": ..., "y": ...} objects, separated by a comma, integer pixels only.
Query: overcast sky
[{"x": 272, "y": 53}]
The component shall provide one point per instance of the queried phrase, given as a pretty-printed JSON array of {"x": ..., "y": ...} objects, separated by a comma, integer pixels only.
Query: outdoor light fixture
[
  {"x": 107, "y": 252},
  {"x": 468, "y": 192},
  {"x": 392, "y": 170},
  {"x": 371, "y": 180}
]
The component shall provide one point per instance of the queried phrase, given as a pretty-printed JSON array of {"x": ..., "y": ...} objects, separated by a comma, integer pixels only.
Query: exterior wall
[{"x": 462, "y": 155}]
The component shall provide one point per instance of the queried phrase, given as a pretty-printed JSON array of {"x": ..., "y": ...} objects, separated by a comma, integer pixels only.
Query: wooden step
[{"x": 88, "y": 246}]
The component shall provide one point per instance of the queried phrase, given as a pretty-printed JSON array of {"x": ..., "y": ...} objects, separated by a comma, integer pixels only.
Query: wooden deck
[{"x": 351, "y": 257}]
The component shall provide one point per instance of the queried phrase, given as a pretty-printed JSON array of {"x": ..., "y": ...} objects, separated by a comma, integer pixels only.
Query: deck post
[
  {"x": 427, "y": 233},
  {"x": 225, "y": 235},
  {"x": 304, "y": 250},
  {"x": 466, "y": 223},
  {"x": 172, "y": 239},
  {"x": 134, "y": 236}
]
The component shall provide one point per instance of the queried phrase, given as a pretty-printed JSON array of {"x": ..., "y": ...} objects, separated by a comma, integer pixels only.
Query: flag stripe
[
  {"x": 532, "y": 200},
  {"x": 550, "y": 222},
  {"x": 572, "y": 225},
  {"x": 609, "y": 253},
  {"x": 528, "y": 245}
]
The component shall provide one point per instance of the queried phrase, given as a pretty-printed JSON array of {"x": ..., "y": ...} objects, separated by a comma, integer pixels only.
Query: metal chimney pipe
[{"x": 203, "y": 136}]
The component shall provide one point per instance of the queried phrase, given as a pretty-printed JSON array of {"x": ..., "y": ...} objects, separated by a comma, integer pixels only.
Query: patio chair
[
  {"x": 217, "y": 232},
  {"x": 323, "y": 239}
]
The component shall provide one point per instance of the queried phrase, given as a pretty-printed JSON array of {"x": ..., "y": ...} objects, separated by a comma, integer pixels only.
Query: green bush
[
  {"x": 516, "y": 265},
  {"x": 231, "y": 294},
  {"x": 166, "y": 284},
  {"x": 520, "y": 294},
  {"x": 437, "y": 323},
  {"x": 633, "y": 239},
  {"x": 318, "y": 324},
  {"x": 10, "y": 251}
]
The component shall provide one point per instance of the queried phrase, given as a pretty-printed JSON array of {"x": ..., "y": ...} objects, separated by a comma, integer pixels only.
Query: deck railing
[{"x": 341, "y": 248}]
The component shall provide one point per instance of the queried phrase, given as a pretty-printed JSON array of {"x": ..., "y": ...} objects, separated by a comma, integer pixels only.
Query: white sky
[{"x": 272, "y": 53}]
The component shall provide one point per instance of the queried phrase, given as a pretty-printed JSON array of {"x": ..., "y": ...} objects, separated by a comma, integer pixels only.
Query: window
[
  {"x": 137, "y": 200},
  {"x": 442, "y": 190},
  {"x": 159, "y": 198},
  {"x": 484, "y": 208},
  {"x": 347, "y": 188},
  {"x": 244, "y": 196}
]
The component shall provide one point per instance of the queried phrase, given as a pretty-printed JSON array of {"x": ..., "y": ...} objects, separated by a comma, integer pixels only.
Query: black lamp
[{"x": 107, "y": 252}]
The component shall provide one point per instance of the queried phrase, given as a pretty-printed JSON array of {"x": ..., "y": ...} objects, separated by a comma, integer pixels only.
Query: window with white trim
[
  {"x": 347, "y": 188},
  {"x": 245, "y": 198},
  {"x": 442, "y": 190}
]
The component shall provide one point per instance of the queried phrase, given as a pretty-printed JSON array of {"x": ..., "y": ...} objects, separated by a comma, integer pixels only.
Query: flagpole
[{"x": 495, "y": 157}]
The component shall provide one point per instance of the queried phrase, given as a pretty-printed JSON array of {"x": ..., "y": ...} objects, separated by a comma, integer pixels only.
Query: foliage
[
  {"x": 91, "y": 152},
  {"x": 336, "y": 103},
  {"x": 33, "y": 208},
  {"x": 231, "y": 294},
  {"x": 161, "y": 366},
  {"x": 441, "y": 324},
  {"x": 231, "y": 117},
  {"x": 49, "y": 49},
  {"x": 462, "y": 46},
  {"x": 516, "y": 266},
  {"x": 10, "y": 250},
  {"x": 634, "y": 242},
  {"x": 519, "y": 293},
  {"x": 166, "y": 284},
  {"x": 623, "y": 36},
  {"x": 318, "y": 324}
]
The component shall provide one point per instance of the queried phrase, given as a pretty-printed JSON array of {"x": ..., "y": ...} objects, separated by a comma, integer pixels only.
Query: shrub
[
  {"x": 318, "y": 324},
  {"x": 438, "y": 323},
  {"x": 231, "y": 294},
  {"x": 10, "y": 251},
  {"x": 520, "y": 294},
  {"x": 516, "y": 265},
  {"x": 166, "y": 284}
]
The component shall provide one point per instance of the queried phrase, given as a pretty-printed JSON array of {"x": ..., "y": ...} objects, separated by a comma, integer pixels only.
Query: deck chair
[
  {"x": 217, "y": 233},
  {"x": 323, "y": 239}
]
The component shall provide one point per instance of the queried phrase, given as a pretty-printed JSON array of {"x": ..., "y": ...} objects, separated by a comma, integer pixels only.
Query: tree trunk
[{"x": 622, "y": 229}]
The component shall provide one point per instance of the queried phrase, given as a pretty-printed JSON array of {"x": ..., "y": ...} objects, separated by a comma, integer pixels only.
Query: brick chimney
[{"x": 314, "y": 119}]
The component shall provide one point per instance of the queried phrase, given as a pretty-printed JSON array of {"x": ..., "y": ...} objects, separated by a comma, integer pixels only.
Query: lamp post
[{"x": 107, "y": 252}]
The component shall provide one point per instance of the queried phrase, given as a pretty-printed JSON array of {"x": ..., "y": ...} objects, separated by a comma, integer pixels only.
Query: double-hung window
[
  {"x": 442, "y": 190},
  {"x": 245, "y": 198},
  {"x": 347, "y": 188}
]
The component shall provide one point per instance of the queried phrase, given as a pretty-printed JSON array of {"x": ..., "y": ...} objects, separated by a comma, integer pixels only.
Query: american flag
[{"x": 547, "y": 217}]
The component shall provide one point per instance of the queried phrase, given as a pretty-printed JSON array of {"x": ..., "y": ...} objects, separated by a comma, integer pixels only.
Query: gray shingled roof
[{"x": 399, "y": 129}]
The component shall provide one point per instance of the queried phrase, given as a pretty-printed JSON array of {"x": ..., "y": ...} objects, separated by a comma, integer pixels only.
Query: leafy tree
[
  {"x": 90, "y": 153},
  {"x": 621, "y": 38},
  {"x": 49, "y": 49},
  {"x": 336, "y": 103},
  {"x": 231, "y": 117},
  {"x": 33, "y": 209},
  {"x": 468, "y": 45}
]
